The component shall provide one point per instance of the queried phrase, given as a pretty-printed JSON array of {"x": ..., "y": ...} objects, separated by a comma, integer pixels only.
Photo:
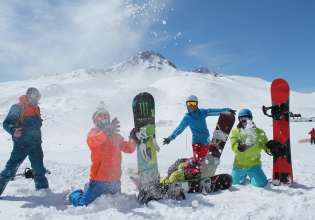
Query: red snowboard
[{"x": 282, "y": 165}]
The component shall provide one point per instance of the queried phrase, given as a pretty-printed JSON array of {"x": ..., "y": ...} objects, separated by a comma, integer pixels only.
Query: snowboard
[
  {"x": 212, "y": 159},
  {"x": 164, "y": 190},
  {"x": 144, "y": 117},
  {"x": 280, "y": 113}
]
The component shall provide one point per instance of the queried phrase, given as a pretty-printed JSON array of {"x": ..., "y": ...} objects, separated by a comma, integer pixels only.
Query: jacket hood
[{"x": 23, "y": 99}]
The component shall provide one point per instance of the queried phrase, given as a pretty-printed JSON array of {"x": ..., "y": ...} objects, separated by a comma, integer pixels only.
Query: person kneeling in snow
[
  {"x": 106, "y": 146},
  {"x": 247, "y": 141}
]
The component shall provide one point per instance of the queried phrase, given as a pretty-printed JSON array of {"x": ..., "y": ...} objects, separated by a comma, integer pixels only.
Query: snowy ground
[{"x": 69, "y": 101}]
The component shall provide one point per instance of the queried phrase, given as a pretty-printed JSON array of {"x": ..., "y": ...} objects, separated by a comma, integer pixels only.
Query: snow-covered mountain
[
  {"x": 205, "y": 70},
  {"x": 69, "y": 101}
]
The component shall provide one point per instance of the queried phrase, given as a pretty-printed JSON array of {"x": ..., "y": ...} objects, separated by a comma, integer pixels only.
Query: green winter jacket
[
  {"x": 250, "y": 157},
  {"x": 177, "y": 176}
]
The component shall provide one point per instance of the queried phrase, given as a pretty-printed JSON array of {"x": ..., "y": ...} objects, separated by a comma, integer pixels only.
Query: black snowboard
[{"x": 161, "y": 190}]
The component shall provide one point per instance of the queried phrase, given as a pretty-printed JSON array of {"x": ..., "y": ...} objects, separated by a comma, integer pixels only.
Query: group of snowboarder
[{"x": 24, "y": 121}]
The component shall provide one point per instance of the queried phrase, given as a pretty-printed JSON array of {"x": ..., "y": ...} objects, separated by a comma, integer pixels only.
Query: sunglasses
[
  {"x": 36, "y": 96},
  {"x": 191, "y": 103}
]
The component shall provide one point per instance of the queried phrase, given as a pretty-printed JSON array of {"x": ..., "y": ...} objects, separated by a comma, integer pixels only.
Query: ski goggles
[
  {"x": 243, "y": 119},
  {"x": 102, "y": 117},
  {"x": 36, "y": 96},
  {"x": 191, "y": 103}
]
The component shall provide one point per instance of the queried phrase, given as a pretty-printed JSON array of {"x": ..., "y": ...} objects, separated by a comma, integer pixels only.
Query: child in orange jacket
[{"x": 106, "y": 146}]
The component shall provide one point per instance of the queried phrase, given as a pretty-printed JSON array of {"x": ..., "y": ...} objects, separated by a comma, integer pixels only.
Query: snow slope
[{"x": 69, "y": 101}]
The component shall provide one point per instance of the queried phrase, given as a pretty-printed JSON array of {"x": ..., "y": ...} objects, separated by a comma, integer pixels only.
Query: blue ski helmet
[{"x": 245, "y": 112}]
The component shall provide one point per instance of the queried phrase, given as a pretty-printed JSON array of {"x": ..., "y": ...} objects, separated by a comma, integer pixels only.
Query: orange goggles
[
  {"x": 191, "y": 103},
  {"x": 101, "y": 117}
]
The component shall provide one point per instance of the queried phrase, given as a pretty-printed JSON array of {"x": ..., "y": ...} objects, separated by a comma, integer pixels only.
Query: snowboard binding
[
  {"x": 205, "y": 186},
  {"x": 277, "y": 111},
  {"x": 145, "y": 133},
  {"x": 218, "y": 137},
  {"x": 277, "y": 149}
]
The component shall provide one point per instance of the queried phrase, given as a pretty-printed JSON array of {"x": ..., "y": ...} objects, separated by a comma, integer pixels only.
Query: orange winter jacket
[
  {"x": 106, "y": 154},
  {"x": 312, "y": 133}
]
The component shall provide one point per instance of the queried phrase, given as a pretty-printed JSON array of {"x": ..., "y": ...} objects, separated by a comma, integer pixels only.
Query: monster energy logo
[{"x": 144, "y": 109}]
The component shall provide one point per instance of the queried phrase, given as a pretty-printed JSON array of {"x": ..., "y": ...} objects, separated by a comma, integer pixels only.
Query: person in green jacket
[{"x": 247, "y": 141}]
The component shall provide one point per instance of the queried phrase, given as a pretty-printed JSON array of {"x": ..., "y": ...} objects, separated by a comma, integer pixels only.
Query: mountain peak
[
  {"x": 205, "y": 70},
  {"x": 144, "y": 59},
  {"x": 149, "y": 56}
]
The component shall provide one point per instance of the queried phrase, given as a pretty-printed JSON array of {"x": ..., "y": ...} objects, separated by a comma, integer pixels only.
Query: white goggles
[{"x": 242, "y": 119}]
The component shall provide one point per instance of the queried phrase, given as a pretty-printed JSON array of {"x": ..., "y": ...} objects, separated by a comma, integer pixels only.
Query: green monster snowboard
[{"x": 144, "y": 117}]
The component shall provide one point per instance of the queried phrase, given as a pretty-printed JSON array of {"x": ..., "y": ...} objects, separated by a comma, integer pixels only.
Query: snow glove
[
  {"x": 276, "y": 148},
  {"x": 133, "y": 133},
  {"x": 113, "y": 128},
  {"x": 243, "y": 147},
  {"x": 166, "y": 141}
]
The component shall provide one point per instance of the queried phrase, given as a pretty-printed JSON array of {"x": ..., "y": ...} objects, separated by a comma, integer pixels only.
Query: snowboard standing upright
[
  {"x": 144, "y": 116},
  {"x": 282, "y": 164},
  {"x": 222, "y": 131}
]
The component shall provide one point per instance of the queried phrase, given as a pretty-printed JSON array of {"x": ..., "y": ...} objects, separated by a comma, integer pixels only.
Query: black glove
[
  {"x": 133, "y": 132},
  {"x": 232, "y": 111},
  {"x": 243, "y": 147},
  {"x": 113, "y": 128},
  {"x": 114, "y": 125},
  {"x": 276, "y": 148},
  {"x": 29, "y": 173},
  {"x": 108, "y": 130},
  {"x": 166, "y": 141}
]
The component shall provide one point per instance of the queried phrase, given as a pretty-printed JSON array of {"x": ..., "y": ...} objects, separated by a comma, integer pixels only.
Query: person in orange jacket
[
  {"x": 312, "y": 133},
  {"x": 106, "y": 146}
]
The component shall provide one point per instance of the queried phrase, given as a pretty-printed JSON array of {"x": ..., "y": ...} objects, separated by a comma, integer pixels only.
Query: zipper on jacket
[{"x": 98, "y": 168}]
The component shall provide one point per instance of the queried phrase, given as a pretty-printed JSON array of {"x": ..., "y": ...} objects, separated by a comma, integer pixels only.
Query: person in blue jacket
[
  {"x": 23, "y": 122},
  {"x": 196, "y": 120}
]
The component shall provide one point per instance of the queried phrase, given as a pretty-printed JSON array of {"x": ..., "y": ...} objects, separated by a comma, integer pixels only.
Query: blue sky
[{"x": 267, "y": 38}]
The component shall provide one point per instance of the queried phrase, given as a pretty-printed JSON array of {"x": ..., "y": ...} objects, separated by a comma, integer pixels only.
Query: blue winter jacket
[
  {"x": 197, "y": 122},
  {"x": 31, "y": 124}
]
